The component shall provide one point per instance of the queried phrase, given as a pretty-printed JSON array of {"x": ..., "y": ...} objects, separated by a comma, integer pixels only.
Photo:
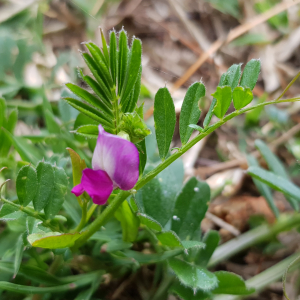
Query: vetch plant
[{"x": 144, "y": 203}]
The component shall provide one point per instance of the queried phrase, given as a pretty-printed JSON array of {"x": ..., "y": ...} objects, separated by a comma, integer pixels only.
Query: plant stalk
[{"x": 110, "y": 210}]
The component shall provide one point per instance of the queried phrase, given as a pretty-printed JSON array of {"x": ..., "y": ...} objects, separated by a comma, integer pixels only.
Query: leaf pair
[
  {"x": 165, "y": 118},
  {"x": 228, "y": 89},
  {"x": 44, "y": 186}
]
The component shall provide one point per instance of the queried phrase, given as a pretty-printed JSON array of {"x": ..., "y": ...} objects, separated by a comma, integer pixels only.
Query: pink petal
[
  {"x": 97, "y": 184},
  {"x": 118, "y": 157},
  {"x": 77, "y": 190}
]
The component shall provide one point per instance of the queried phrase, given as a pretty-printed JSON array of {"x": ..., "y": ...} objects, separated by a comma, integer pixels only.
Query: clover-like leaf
[
  {"x": 241, "y": 97},
  {"x": 223, "y": 96}
]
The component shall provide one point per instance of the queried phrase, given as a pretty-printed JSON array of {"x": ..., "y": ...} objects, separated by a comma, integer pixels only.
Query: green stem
[
  {"x": 110, "y": 210},
  {"x": 102, "y": 219},
  {"x": 83, "y": 218},
  {"x": 32, "y": 213},
  {"x": 253, "y": 237},
  {"x": 91, "y": 211}
]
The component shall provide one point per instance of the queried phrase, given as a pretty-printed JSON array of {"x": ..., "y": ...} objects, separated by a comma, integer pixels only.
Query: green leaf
[
  {"x": 104, "y": 47},
  {"x": 45, "y": 177},
  {"x": 134, "y": 95},
  {"x": 196, "y": 127},
  {"x": 58, "y": 193},
  {"x": 90, "y": 112},
  {"x": 99, "y": 77},
  {"x": 165, "y": 119},
  {"x": 32, "y": 273},
  {"x": 192, "y": 244},
  {"x": 133, "y": 71},
  {"x": 276, "y": 182},
  {"x": 190, "y": 208},
  {"x": 231, "y": 284},
  {"x": 18, "y": 255},
  {"x": 53, "y": 240},
  {"x": 169, "y": 238},
  {"x": 129, "y": 222},
  {"x": 26, "y": 185},
  {"x": 102, "y": 68},
  {"x": 187, "y": 293},
  {"x": 232, "y": 76},
  {"x": 250, "y": 74},
  {"x": 78, "y": 165},
  {"x": 86, "y": 96},
  {"x": 192, "y": 276},
  {"x": 272, "y": 161},
  {"x": 241, "y": 97},
  {"x": 274, "y": 165},
  {"x": 157, "y": 197},
  {"x": 190, "y": 112},
  {"x": 122, "y": 61},
  {"x": 211, "y": 240},
  {"x": 264, "y": 190},
  {"x": 89, "y": 131},
  {"x": 9, "y": 213},
  {"x": 223, "y": 96},
  {"x": 113, "y": 56},
  {"x": 98, "y": 90},
  {"x": 149, "y": 222},
  {"x": 142, "y": 155},
  {"x": 24, "y": 289}
]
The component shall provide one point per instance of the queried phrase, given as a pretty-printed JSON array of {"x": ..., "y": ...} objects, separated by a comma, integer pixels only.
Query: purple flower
[{"x": 115, "y": 165}]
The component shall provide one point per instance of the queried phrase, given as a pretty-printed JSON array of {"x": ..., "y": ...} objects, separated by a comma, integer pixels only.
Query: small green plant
[{"x": 146, "y": 200}]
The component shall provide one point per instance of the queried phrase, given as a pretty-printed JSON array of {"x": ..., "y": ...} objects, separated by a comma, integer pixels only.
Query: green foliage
[
  {"x": 223, "y": 96},
  {"x": 26, "y": 185},
  {"x": 192, "y": 276},
  {"x": 264, "y": 190},
  {"x": 157, "y": 198},
  {"x": 250, "y": 74},
  {"x": 129, "y": 222},
  {"x": 211, "y": 240},
  {"x": 190, "y": 208},
  {"x": 165, "y": 119},
  {"x": 232, "y": 284},
  {"x": 190, "y": 112},
  {"x": 157, "y": 222},
  {"x": 241, "y": 97},
  {"x": 276, "y": 182},
  {"x": 53, "y": 240},
  {"x": 149, "y": 222},
  {"x": 45, "y": 178},
  {"x": 275, "y": 166}
]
